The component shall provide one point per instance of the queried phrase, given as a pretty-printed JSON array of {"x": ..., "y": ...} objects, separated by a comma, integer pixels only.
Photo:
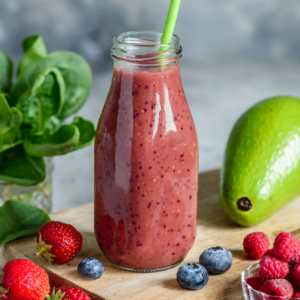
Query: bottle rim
[{"x": 144, "y": 48}]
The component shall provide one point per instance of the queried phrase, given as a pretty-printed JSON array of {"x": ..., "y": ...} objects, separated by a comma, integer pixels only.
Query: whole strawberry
[
  {"x": 58, "y": 242},
  {"x": 67, "y": 293},
  {"x": 23, "y": 280}
]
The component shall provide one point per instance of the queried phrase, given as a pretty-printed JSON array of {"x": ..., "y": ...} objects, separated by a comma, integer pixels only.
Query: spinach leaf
[
  {"x": 15, "y": 123},
  {"x": 87, "y": 132},
  {"x": 76, "y": 74},
  {"x": 5, "y": 147},
  {"x": 52, "y": 124},
  {"x": 34, "y": 49},
  {"x": 16, "y": 117},
  {"x": 6, "y": 69},
  {"x": 31, "y": 110},
  {"x": 64, "y": 140},
  {"x": 19, "y": 219},
  {"x": 45, "y": 99},
  {"x": 11, "y": 99},
  {"x": 49, "y": 87},
  {"x": 17, "y": 167},
  {"x": 5, "y": 112},
  {"x": 9, "y": 116},
  {"x": 10, "y": 122}
]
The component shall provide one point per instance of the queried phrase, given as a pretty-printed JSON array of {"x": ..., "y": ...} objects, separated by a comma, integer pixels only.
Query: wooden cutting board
[{"x": 214, "y": 229}]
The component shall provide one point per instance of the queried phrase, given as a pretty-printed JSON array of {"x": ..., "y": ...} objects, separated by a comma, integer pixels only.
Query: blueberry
[
  {"x": 90, "y": 268},
  {"x": 216, "y": 260},
  {"x": 192, "y": 276}
]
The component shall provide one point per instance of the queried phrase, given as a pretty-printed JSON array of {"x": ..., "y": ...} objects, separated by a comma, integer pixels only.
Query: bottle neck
[{"x": 143, "y": 49}]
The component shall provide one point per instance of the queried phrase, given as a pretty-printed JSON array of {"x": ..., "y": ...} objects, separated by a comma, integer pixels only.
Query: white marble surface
[{"x": 218, "y": 93}]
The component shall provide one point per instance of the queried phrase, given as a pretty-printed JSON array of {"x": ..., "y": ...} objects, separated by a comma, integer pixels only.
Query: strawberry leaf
[
  {"x": 56, "y": 296},
  {"x": 43, "y": 250},
  {"x": 19, "y": 219}
]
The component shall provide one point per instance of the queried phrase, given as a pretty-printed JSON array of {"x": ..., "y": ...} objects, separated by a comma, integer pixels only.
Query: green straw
[{"x": 167, "y": 35}]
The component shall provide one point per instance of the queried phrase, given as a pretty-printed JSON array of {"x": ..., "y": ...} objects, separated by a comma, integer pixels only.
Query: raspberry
[
  {"x": 289, "y": 277},
  {"x": 269, "y": 252},
  {"x": 255, "y": 282},
  {"x": 281, "y": 287},
  {"x": 296, "y": 274},
  {"x": 297, "y": 295},
  {"x": 286, "y": 247},
  {"x": 256, "y": 244},
  {"x": 273, "y": 268},
  {"x": 265, "y": 289},
  {"x": 278, "y": 287},
  {"x": 296, "y": 259}
]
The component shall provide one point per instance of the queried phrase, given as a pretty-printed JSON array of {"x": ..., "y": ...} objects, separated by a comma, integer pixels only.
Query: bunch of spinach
[{"x": 48, "y": 88}]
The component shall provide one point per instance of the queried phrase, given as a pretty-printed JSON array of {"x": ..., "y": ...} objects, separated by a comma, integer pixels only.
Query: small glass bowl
[{"x": 252, "y": 294}]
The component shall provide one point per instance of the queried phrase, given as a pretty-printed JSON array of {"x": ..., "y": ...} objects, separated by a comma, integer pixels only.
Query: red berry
[
  {"x": 24, "y": 280},
  {"x": 286, "y": 247},
  {"x": 278, "y": 287},
  {"x": 281, "y": 287},
  {"x": 255, "y": 282},
  {"x": 296, "y": 295},
  {"x": 73, "y": 293},
  {"x": 296, "y": 260},
  {"x": 256, "y": 244},
  {"x": 296, "y": 274},
  {"x": 269, "y": 252},
  {"x": 59, "y": 242},
  {"x": 273, "y": 268},
  {"x": 265, "y": 289},
  {"x": 289, "y": 276}
]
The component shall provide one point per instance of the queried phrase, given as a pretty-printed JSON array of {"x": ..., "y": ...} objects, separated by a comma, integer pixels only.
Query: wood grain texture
[{"x": 214, "y": 229}]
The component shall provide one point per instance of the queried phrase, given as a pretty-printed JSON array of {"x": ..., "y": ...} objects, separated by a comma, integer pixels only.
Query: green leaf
[
  {"x": 5, "y": 147},
  {"x": 34, "y": 50},
  {"x": 52, "y": 124},
  {"x": 5, "y": 112},
  {"x": 18, "y": 167},
  {"x": 15, "y": 123},
  {"x": 19, "y": 219},
  {"x": 56, "y": 295},
  {"x": 10, "y": 122},
  {"x": 49, "y": 87},
  {"x": 31, "y": 110},
  {"x": 6, "y": 69},
  {"x": 9, "y": 116},
  {"x": 87, "y": 132},
  {"x": 11, "y": 99},
  {"x": 44, "y": 100},
  {"x": 76, "y": 74},
  {"x": 64, "y": 140},
  {"x": 16, "y": 117}
]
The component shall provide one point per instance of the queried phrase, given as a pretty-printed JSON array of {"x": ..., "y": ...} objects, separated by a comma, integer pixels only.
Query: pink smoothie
[{"x": 146, "y": 170}]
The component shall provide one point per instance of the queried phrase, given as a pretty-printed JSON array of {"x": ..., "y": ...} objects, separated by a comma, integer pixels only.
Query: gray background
[{"x": 236, "y": 52}]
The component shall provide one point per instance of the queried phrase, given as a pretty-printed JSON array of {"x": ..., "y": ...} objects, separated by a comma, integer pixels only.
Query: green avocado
[{"x": 261, "y": 169}]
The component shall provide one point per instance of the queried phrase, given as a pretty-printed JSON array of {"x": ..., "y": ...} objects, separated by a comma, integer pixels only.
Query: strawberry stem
[
  {"x": 43, "y": 250},
  {"x": 57, "y": 296},
  {"x": 3, "y": 291}
]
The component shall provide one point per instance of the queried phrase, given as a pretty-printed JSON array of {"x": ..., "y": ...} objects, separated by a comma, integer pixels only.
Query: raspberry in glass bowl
[{"x": 253, "y": 294}]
